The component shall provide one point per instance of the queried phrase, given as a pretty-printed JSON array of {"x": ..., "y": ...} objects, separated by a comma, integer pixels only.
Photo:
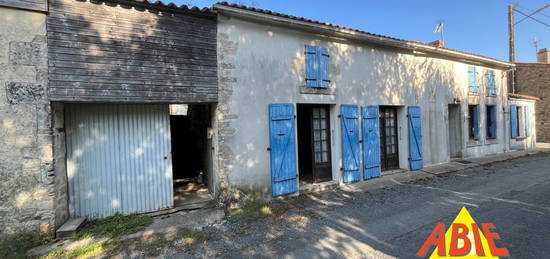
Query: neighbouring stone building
[
  {"x": 26, "y": 160},
  {"x": 534, "y": 79}
]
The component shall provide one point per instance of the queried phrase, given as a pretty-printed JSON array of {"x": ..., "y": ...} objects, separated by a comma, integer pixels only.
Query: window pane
[
  {"x": 315, "y": 124},
  {"x": 323, "y": 124},
  {"x": 316, "y": 135},
  {"x": 325, "y": 156},
  {"x": 317, "y": 157},
  {"x": 315, "y": 112},
  {"x": 323, "y": 111}
]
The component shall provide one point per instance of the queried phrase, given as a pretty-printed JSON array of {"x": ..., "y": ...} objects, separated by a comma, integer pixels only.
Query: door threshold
[
  {"x": 203, "y": 204},
  {"x": 393, "y": 171},
  {"x": 316, "y": 187}
]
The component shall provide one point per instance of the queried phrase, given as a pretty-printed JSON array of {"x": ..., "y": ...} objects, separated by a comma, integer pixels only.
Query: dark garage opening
[{"x": 189, "y": 129}]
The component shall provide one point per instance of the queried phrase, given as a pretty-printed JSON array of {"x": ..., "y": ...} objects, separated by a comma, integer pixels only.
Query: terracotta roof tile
[
  {"x": 523, "y": 96},
  {"x": 171, "y": 5}
]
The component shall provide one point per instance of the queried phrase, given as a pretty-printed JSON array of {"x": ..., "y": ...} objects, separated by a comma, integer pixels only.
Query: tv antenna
[
  {"x": 536, "y": 44},
  {"x": 439, "y": 29}
]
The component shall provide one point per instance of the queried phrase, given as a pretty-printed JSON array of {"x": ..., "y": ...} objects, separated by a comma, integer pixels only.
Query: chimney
[
  {"x": 543, "y": 56},
  {"x": 437, "y": 43}
]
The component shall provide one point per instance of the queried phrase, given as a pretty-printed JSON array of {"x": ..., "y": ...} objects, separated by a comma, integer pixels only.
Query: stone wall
[
  {"x": 26, "y": 154},
  {"x": 534, "y": 79}
]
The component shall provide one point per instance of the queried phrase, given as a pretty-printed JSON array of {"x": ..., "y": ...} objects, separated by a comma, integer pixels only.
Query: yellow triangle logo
[{"x": 465, "y": 218}]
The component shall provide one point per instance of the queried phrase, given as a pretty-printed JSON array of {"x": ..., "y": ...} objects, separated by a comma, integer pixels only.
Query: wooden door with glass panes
[
  {"x": 389, "y": 158},
  {"x": 320, "y": 143}
]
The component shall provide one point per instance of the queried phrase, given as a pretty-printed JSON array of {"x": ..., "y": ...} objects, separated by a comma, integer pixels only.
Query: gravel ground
[{"x": 394, "y": 221}]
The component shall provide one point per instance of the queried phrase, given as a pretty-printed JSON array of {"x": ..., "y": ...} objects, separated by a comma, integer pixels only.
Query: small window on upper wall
[
  {"x": 472, "y": 80},
  {"x": 473, "y": 119},
  {"x": 491, "y": 85},
  {"x": 491, "y": 121},
  {"x": 317, "y": 67}
]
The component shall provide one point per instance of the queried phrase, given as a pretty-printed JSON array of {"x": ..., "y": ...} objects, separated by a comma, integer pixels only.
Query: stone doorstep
[
  {"x": 316, "y": 187},
  {"x": 70, "y": 227}
]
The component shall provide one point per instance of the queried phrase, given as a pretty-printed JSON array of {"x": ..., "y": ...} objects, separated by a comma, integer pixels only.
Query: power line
[
  {"x": 535, "y": 19},
  {"x": 533, "y": 13},
  {"x": 516, "y": 3}
]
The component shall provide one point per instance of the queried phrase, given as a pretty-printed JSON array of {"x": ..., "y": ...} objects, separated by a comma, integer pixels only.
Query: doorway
[
  {"x": 389, "y": 148},
  {"x": 314, "y": 153},
  {"x": 188, "y": 127},
  {"x": 455, "y": 132}
]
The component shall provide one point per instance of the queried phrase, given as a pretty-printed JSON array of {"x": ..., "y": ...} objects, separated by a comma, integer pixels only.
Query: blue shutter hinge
[
  {"x": 339, "y": 115},
  {"x": 341, "y": 169},
  {"x": 269, "y": 149}
]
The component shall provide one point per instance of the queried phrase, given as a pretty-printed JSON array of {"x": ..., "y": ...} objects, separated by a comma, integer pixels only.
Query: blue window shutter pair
[
  {"x": 514, "y": 121},
  {"x": 283, "y": 148},
  {"x": 493, "y": 126},
  {"x": 317, "y": 64},
  {"x": 491, "y": 86},
  {"x": 472, "y": 79},
  {"x": 349, "y": 115},
  {"x": 370, "y": 129},
  {"x": 476, "y": 122},
  {"x": 415, "y": 138}
]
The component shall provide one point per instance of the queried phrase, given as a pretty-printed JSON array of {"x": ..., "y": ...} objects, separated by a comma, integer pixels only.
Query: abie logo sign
[{"x": 464, "y": 239}]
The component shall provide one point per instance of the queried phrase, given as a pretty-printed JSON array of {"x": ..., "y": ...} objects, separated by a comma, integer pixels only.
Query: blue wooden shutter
[
  {"x": 476, "y": 122},
  {"x": 312, "y": 66},
  {"x": 350, "y": 142},
  {"x": 472, "y": 79},
  {"x": 527, "y": 129},
  {"x": 493, "y": 114},
  {"x": 514, "y": 120},
  {"x": 283, "y": 148},
  {"x": 415, "y": 138},
  {"x": 323, "y": 67},
  {"x": 371, "y": 141}
]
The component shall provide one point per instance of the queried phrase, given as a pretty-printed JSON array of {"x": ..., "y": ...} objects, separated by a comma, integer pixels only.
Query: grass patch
[
  {"x": 85, "y": 251},
  {"x": 148, "y": 246},
  {"x": 259, "y": 209},
  {"x": 16, "y": 245},
  {"x": 115, "y": 226}
]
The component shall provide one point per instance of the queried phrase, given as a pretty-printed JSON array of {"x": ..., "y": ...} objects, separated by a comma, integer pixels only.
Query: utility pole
[{"x": 512, "y": 48}]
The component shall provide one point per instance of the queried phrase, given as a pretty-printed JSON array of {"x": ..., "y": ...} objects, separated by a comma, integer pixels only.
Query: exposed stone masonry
[
  {"x": 26, "y": 165},
  {"x": 534, "y": 79}
]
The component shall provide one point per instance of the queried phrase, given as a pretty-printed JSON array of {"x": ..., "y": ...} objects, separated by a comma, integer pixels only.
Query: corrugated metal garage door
[{"x": 118, "y": 159}]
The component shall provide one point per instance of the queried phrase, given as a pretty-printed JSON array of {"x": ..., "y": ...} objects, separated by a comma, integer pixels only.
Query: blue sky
[{"x": 478, "y": 26}]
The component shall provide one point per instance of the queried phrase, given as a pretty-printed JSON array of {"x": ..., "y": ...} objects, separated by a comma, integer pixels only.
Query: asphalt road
[{"x": 393, "y": 222}]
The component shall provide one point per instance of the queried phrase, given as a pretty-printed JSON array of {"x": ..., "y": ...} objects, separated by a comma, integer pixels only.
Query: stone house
[
  {"x": 534, "y": 79},
  {"x": 334, "y": 105},
  {"x": 129, "y": 106}
]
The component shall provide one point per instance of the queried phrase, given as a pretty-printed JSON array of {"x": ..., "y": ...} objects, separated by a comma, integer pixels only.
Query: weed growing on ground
[
  {"x": 115, "y": 226},
  {"x": 258, "y": 209}
]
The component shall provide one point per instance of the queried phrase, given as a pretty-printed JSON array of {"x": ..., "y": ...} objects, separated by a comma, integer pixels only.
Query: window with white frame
[{"x": 490, "y": 82}]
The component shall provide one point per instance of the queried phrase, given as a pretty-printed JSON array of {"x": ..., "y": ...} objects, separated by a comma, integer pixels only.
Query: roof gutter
[{"x": 247, "y": 14}]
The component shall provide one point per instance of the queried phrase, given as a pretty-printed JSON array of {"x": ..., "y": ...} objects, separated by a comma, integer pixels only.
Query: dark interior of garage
[{"x": 189, "y": 149}]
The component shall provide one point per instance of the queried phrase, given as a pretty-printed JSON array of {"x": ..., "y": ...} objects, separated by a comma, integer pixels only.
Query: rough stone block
[
  {"x": 28, "y": 53},
  {"x": 24, "y": 92}
]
